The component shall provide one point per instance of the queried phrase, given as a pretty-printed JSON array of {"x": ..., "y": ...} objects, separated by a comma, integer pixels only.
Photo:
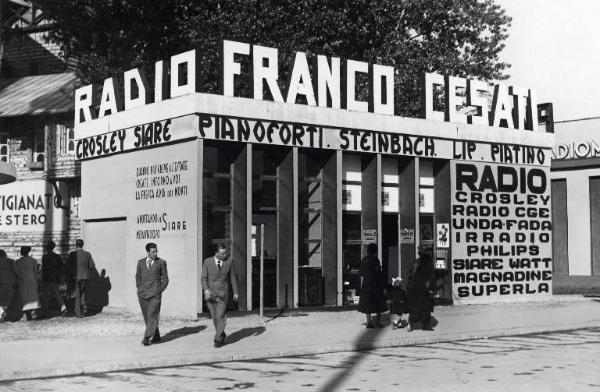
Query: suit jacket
[
  {"x": 218, "y": 280},
  {"x": 151, "y": 282},
  {"x": 52, "y": 268},
  {"x": 81, "y": 263}
]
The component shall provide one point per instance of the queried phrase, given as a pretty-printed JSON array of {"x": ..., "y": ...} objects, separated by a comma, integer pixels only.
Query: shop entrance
[{"x": 266, "y": 162}]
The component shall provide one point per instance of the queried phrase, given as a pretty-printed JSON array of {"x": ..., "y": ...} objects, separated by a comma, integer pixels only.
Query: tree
[{"x": 453, "y": 37}]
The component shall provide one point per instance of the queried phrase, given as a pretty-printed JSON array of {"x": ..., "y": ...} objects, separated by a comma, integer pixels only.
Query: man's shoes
[
  {"x": 223, "y": 336},
  {"x": 218, "y": 343},
  {"x": 156, "y": 340},
  {"x": 370, "y": 325},
  {"x": 146, "y": 342},
  {"x": 427, "y": 327}
]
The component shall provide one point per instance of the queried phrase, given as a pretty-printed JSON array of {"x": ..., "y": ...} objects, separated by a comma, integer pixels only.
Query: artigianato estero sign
[{"x": 501, "y": 226}]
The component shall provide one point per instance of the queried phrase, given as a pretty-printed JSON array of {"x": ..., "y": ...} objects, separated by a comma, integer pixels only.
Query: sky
[{"x": 554, "y": 48}]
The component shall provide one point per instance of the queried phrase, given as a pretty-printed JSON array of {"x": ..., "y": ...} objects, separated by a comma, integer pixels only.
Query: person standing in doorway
[
  {"x": 52, "y": 276},
  {"x": 218, "y": 277},
  {"x": 372, "y": 298},
  {"x": 151, "y": 279},
  {"x": 81, "y": 264},
  {"x": 27, "y": 271}
]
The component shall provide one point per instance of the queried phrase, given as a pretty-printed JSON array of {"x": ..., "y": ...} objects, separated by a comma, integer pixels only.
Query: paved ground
[
  {"x": 566, "y": 361},
  {"x": 190, "y": 342}
]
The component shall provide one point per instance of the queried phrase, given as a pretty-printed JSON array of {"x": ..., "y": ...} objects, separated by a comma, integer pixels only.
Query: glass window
[
  {"x": 426, "y": 182},
  {"x": 67, "y": 139},
  {"x": 216, "y": 195},
  {"x": 265, "y": 162},
  {"x": 39, "y": 145}
]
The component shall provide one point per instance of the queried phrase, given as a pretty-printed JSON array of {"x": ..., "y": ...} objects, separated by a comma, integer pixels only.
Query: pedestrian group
[
  {"x": 414, "y": 298},
  {"x": 39, "y": 290},
  {"x": 24, "y": 277}
]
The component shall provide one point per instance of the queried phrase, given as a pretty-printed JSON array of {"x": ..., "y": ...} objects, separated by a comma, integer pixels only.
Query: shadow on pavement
[
  {"x": 181, "y": 332},
  {"x": 349, "y": 364},
  {"x": 244, "y": 333}
]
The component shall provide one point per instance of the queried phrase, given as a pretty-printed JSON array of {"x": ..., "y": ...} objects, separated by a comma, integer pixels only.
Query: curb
[{"x": 415, "y": 339}]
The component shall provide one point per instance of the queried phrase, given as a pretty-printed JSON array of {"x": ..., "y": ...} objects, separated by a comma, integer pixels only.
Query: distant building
[
  {"x": 575, "y": 174},
  {"x": 36, "y": 137}
]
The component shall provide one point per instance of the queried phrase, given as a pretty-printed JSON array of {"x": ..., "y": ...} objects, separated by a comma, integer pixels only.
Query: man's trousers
[
  {"x": 217, "y": 309},
  {"x": 51, "y": 291},
  {"x": 80, "y": 302},
  {"x": 151, "y": 312}
]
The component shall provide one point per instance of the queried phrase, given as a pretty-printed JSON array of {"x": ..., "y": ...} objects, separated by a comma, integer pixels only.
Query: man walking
[
  {"x": 218, "y": 276},
  {"x": 151, "y": 279},
  {"x": 52, "y": 277},
  {"x": 81, "y": 264}
]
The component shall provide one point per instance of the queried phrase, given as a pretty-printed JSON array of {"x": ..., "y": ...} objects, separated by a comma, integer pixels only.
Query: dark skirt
[
  {"x": 419, "y": 301},
  {"x": 6, "y": 294},
  {"x": 398, "y": 297},
  {"x": 372, "y": 301}
]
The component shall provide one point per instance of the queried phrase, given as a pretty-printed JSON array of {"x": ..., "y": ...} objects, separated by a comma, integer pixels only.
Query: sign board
[
  {"x": 29, "y": 206},
  {"x": 577, "y": 150},
  {"x": 138, "y": 137},
  {"x": 351, "y": 197},
  {"x": 501, "y": 232},
  {"x": 280, "y": 133},
  {"x": 441, "y": 264},
  {"x": 390, "y": 199},
  {"x": 407, "y": 236},
  {"x": 443, "y": 235},
  {"x": 426, "y": 201},
  {"x": 369, "y": 236},
  {"x": 512, "y": 107},
  {"x": 249, "y": 130}
]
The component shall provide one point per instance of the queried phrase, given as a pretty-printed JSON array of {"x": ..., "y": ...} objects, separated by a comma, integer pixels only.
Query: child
[{"x": 398, "y": 297}]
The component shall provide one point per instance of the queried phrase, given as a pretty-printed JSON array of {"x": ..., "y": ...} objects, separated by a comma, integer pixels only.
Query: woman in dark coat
[
  {"x": 372, "y": 299},
  {"x": 27, "y": 271},
  {"x": 8, "y": 278},
  {"x": 421, "y": 283}
]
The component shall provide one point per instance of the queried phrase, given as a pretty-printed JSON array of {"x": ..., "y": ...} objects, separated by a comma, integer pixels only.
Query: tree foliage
[{"x": 454, "y": 37}]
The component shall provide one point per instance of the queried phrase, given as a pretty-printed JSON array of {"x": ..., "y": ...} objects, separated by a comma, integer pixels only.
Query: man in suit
[
  {"x": 151, "y": 279},
  {"x": 52, "y": 276},
  {"x": 81, "y": 264},
  {"x": 218, "y": 276}
]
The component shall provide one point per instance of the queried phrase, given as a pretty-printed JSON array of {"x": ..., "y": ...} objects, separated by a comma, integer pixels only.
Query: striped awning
[{"x": 37, "y": 95}]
